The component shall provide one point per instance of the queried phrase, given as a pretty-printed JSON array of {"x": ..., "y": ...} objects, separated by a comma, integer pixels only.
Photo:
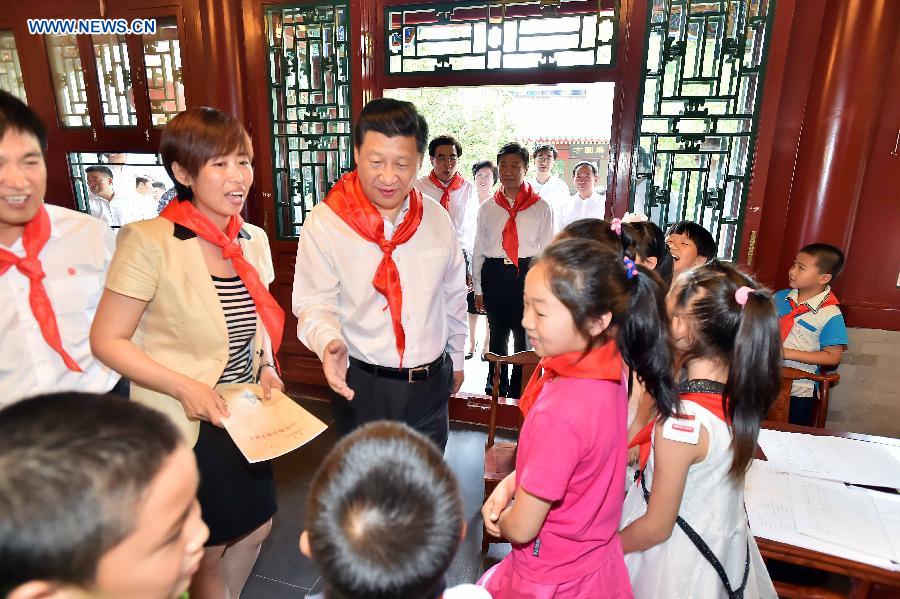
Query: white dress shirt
[
  {"x": 534, "y": 225},
  {"x": 122, "y": 209},
  {"x": 463, "y": 209},
  {"x": 333, "y": 296},
  {"x": 575, "y": 208},
  {"x": 75, "y": 260},
  {"x": 553, "y": 191}
]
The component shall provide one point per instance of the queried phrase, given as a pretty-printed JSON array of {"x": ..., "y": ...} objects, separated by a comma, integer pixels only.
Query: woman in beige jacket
[{"x": 180, "y": 314}]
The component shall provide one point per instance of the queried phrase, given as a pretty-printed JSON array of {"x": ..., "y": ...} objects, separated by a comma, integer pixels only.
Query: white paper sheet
[
  {"x": 770, "y": 510},
  {"x": 832, "y": 458},
  {"x": 265, "y": 430}
]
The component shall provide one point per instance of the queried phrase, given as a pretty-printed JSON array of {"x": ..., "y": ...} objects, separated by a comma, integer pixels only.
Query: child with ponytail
[
  {"x": 588, "y": 314},
  {"x": 694, "y": 457}
]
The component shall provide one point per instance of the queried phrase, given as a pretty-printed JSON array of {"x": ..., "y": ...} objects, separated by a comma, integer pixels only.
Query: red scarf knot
[
  {"x": 455, "y": 183},
  {"x": 525, "y": 199},
  {"x": 348, "y": 201},
  {"x": 602, "y": 363},
  {"x": 34, "y": 238},
  {"x": 270, "y": 312},
  {"x": 786, "y": 322}
]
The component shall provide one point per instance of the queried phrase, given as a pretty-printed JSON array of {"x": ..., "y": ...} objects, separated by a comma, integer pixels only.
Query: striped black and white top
[{"x": 240, "y": 317}]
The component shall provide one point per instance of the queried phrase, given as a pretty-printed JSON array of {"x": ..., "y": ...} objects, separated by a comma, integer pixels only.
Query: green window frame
[{"x": 698, "y": 113}]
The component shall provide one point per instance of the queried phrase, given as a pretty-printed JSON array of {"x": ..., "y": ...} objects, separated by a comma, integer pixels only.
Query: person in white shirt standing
[
  {"x": 586, "y": 202},
  {"x": 513, "y": 226},
  {"x": 551, "y": 188},
  {"x": 380, "y": 282},
  {"x": 102, "y": 194},
  {"x": 53, "y": 263}
]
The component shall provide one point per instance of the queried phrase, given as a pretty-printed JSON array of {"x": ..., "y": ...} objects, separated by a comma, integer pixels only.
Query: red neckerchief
[
  {"x": 350, "y": 203},
  {"x": 602, "y": 363},
  {"x": 710, "y": 401},
  {"x": 786, "y": 322},
  {"x": 34, "y": 238},
  {"x": 186, "y": 214},
  {"x": 525, "y": 199},
  {"x": 455, "y": 183}
]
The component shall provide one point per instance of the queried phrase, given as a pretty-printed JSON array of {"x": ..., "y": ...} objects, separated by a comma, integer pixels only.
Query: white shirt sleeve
[
  {"x": 314, "y": 300},
  {"x": 478, "y": 251},
  {"x": 547, "y": 230},
  {"x": 454, "y": 289}
]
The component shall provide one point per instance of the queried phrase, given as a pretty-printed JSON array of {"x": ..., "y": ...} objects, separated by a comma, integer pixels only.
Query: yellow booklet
[{"x": 265, "y": 429}]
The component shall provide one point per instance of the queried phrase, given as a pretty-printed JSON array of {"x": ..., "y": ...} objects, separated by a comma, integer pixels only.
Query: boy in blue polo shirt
[{"x": 811, "y": 323}]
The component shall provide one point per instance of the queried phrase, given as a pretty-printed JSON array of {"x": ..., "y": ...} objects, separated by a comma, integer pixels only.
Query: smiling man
[
  {"x": 380, "y": 283},
  {"x": 53, "y": 262}
]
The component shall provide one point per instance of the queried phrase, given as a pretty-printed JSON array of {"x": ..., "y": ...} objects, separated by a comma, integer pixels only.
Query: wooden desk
[{"x": 862, "y": 576}]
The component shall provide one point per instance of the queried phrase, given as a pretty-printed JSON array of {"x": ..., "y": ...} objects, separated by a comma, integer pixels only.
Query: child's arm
[
  {"x": 672, "y": 459},
  {"x": 522, "y": 521},
  {"x": 498, "y": 501},
  {"x": 827, "y": 356},
  {"x": 646, "y": 410}
]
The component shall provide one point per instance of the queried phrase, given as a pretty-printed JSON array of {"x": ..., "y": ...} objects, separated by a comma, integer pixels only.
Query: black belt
[{"x": 411, "y": 375}]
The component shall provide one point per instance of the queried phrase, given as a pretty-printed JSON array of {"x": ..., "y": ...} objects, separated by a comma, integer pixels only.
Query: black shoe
[{"x": 469, "y": 355}]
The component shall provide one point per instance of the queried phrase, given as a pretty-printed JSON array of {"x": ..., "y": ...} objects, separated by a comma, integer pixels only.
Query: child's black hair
[
  {"x": 591, "y": 280},
  {"x": 646, "y": 240},
  {"x": 594, "y": 229},
  {"x": 703, "y": 239},
  {"x": 829, "y": 259},
  {"x": 745, "y": 338},
  {"x": 384, "y": 515}
]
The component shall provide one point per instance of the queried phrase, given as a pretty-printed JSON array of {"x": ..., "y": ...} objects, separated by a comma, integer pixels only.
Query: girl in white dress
[{"x": 695, "y": 455}]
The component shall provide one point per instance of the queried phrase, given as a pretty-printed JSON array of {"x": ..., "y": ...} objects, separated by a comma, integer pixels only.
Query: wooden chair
[
  {"x": 780, "y": 410},
  {"x": 500, "y": 457}
]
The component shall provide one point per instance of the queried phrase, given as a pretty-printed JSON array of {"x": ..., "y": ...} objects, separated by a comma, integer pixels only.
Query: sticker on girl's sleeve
[{"x": 682, "y": 430}]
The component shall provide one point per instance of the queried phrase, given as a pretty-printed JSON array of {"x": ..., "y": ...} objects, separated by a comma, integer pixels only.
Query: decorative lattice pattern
[
  {"x": 474, "y": 35},
  {"x": 309, "y": 88},
  {"x": 162, "y": 59},
  {"x": 10, "y": 68},
  {"x": 68, "y": 81},
  {"x": 698, "y": 112}
]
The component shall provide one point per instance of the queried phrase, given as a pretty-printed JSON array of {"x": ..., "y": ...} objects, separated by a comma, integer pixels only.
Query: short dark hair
[
  {"x": 140, "y": 180},
  {"x": 159, "y": 184},
  {"x": 392, "y": 118},
  {"x": 99, "y": 168},
  {"x": 384, "y": 515},
  {"x": 16, "y": 115},
  {"x": 587, "y": 163},
  {"x": 545, "y": 148},
  {"x": 486, "y": 164},
  {"x": 594, "y": 229},
  {"x": 829, "y": 259},
  {"x": 196, "y": 136},
  {"x": 703, "y": 239},
  {"x": 444, "y": 140},
  {"x": 513, "y": 148},
  {"x": 73, "y": 469}
]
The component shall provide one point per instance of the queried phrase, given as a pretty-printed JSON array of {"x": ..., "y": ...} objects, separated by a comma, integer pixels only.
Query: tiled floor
[{"x": 283, "y": 572}]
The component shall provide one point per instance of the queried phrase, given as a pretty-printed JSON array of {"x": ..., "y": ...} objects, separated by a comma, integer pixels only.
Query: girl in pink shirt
[{"x": 586, "y": 309}]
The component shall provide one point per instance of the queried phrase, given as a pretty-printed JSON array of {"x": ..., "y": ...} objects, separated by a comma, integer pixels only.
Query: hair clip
[
  {"x": 616, "y": 225},
  {"x": 630, "y": 267},
  {"x": 635, "y": 217},
  {"x": 742, "y": 293}
]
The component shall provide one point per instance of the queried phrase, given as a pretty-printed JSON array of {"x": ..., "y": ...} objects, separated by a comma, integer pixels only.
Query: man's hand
[
  {"x": 458, "y": 377},
  {"x": 479, "y": 302},
  {"x": 470, "y": 283},
  {"x": 334, "y": 364}
]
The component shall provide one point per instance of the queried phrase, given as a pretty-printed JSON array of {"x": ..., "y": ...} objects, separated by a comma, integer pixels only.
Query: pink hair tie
[
  {"x": 741, "y": 295},
  {"x": 616, "y": 225}
]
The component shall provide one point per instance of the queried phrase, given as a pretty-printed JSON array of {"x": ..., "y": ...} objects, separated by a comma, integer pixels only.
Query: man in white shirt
[
  {"x": 101, "y": 195},
  {"x": 144, "y": 200},
  {"x": 513, "y": 226},
  {"x": 380, "y": 280},
  {"x": 551, "y": 188},
  {"x": 53, "y": 264},
  {"x": 586, "y": 202},
  {"x": 445, "y": 182}
]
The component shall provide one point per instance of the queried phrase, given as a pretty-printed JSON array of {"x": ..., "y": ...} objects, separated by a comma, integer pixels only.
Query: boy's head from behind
[
  {"x": 690, "y": 244},
  {"x": 384, "y": 516},
  {"x": 97, "y": 499},
  {"x": 815, "y": 266}
]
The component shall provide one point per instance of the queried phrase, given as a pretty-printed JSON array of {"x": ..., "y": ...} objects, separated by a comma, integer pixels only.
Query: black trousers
[
  {"x": 503, "y": 287},
  {"x": 801, "y": 409},
  {"x": 423, "y": 405}
]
